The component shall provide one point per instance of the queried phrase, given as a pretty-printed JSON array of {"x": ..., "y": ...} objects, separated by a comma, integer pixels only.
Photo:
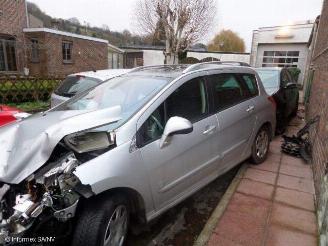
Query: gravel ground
[{"x": 182, "y": 224}]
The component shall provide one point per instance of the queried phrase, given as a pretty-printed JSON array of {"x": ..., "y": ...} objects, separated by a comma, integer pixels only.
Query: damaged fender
[{"x": 26, "y": 146}]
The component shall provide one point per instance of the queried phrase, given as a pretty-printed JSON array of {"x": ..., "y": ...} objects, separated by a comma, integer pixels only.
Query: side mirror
[{"x": 175, "y": 126}]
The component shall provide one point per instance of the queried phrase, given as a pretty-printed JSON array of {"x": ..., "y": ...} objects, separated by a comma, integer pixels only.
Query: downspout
[{"x": 27, "y": 17}]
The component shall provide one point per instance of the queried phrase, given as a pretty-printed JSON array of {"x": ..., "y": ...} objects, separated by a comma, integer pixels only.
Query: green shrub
[{"x": 295, "y": 73}]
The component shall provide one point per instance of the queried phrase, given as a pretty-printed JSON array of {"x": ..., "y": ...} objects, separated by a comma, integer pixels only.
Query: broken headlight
[{"x": 89, "y": 141}]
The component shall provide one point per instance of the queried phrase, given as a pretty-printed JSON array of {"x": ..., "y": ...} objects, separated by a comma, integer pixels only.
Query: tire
[
  {"x": 258, "y": 156},
  {"x": 92, "y": 226}
]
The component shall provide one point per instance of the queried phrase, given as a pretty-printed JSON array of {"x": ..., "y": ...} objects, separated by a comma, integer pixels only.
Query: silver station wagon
[{"x": 122, "y": 153}]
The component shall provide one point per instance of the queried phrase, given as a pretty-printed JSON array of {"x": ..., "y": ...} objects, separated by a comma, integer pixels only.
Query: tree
[
  {"x": 184, "y": 22},
  {"x": 74, "y": 21},
  {"x": 227, "y": 41}
]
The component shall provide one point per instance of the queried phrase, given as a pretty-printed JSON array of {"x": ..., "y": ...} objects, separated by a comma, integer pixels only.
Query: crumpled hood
[{"x": 27, "y": 145}]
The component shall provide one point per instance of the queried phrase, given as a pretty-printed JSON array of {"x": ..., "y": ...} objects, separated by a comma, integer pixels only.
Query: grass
[{"x": 31, "y": 107}]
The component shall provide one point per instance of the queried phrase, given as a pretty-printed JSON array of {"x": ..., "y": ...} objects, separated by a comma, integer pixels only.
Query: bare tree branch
[{"x": 184, "y": 22}]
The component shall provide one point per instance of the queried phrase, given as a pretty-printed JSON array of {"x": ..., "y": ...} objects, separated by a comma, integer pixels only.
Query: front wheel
[
  {"x": 103, "y": 223},
  {"x": 260, "y": 146}
]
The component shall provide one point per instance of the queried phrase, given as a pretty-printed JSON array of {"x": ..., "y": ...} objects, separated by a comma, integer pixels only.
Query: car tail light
[{"x": 274, "y": 104}]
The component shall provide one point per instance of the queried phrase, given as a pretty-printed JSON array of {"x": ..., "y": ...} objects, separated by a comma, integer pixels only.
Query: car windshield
[
  {"x": 270, "y": 78},
  {"x": 76, "y": 84},
  {"x": 128, "y": 92}
]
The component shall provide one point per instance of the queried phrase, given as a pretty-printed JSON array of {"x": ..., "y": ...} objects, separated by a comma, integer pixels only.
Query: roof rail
[
  {"x": 155, "y": 66},
  {"x": 198, "y": 66}
]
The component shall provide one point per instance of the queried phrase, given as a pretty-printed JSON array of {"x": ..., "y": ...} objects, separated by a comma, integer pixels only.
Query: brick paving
[{"x": 272, "y": 205}]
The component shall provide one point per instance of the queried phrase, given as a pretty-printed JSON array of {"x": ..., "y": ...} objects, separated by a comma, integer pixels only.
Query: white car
[{"x": 79, "y": 82}]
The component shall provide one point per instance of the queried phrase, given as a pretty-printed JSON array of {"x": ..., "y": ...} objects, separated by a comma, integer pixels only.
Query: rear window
[
  {"x": 73, "y": 85},
  {"x": 270, "y": 78}
]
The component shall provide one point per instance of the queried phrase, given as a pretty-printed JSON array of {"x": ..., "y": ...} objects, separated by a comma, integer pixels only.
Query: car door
[
  {"x": 293, "y": 92},
  {"x": 181, "y": 166},
  {"x": 234, "y": 108},
  {"x": 289, "y": 93}
]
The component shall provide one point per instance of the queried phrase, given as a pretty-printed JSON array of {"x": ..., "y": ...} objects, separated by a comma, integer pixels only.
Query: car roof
[{"x": 103, "y": 74}]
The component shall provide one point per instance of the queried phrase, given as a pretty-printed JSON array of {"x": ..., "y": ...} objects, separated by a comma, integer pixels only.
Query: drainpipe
[{"x": 27, "y": 17}]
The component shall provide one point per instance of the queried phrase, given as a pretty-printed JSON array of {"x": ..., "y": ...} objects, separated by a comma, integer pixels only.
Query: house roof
[
  {"x": 114, "y": 48},
  {"x": 68, "y": 34}
]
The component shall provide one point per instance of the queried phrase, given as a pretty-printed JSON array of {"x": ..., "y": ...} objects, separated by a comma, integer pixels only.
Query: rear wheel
[
  {"x": 103, "y": 223},
  {"x": 260, "y": 146}
]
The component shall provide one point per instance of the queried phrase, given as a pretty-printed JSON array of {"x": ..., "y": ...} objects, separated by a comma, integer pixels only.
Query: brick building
[
  {"x": 12, "y": 21},
  {"x": 318, "y": 105},
  {"x": 56, "y": 53},
  {"x": 42, "y": 51}
]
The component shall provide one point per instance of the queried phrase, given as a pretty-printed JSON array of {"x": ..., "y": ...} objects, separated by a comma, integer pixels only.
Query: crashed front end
[
  {"x": 49, "y": 190},
  {"x": 56, "y": 193}
]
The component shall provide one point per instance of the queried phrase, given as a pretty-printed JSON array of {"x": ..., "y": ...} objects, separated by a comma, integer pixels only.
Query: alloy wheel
[{"x": 117, "y": 227}]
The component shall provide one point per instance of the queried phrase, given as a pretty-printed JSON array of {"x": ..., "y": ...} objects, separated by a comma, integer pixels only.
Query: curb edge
[{"x": 212, "y": 222}]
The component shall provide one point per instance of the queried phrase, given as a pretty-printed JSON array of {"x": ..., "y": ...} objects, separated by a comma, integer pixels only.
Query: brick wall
[
  {"x": 318, "y": 105},
  {"x": 86, "y": 55},
  {"x": 12, "y": 21}
]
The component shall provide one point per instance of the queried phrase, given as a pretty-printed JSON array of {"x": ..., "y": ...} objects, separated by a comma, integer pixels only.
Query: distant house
[
  {"x": 282, "y": 46},
  {"x": 26, "y": 47},
  {"x": 56, "y": 53},
  {"x": 146, "y": 56}
]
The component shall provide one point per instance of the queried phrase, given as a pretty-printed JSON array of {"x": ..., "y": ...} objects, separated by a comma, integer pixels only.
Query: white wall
[
  {"x": 288, "y": 34},
  {"x": 221, "y": 56},
  {"x": 153, "y": 57},
  {"x": 156, "y": 57}
]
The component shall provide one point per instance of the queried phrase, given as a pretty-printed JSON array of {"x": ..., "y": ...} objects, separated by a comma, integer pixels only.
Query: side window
[
  {"x": 189, "y": 101},
  {"x": 251, "y": 84},
  {"x": 153, "y": 127},
  {"x": 227, "y": 91}
]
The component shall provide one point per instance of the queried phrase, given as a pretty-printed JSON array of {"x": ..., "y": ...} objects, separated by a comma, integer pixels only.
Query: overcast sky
[{"x": 242, "y": 16}]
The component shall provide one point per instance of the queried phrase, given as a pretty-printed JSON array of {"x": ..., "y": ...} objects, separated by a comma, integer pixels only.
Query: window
[
  {"x": 228, "y": 91},
  {"x": 270, "y": 78},
  {"x": 293, "y": 53},
  {"x": 8, "y": 55},
  {"x": 35, "y": 50},
  {"x": 153, "y": 127},
  {"x": 76, "y": 84},
  {"x": 251, "y": 83},
  {"x": 67, "y": 51},
  {"x": 189, "y": 101},
  {"x": 280, "y": 58}
]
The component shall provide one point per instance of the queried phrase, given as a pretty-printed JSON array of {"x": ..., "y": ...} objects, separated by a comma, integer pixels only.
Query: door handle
[
  {"x": 250, "y": 109},
  {"x": 209, "y": 130}
]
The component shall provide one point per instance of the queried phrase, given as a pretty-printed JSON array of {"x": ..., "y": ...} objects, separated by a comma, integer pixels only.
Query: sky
[{"x": 241, "y": 16}]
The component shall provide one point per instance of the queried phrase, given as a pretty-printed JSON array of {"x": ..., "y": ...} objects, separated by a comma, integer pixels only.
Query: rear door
[{"x": 234, "y": 107}]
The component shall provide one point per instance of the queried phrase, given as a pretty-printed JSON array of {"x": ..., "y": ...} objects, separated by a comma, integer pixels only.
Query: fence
[{"x": 26, "y": 89}]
